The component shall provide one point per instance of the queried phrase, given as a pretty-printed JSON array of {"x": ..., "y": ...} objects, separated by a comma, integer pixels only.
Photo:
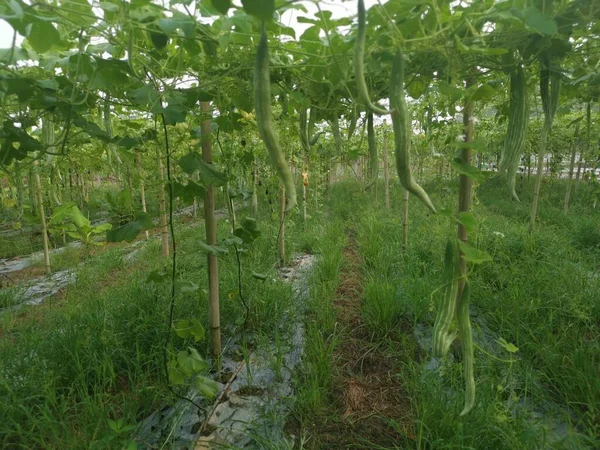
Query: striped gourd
[
  {"x": 466, "y": 339},
  {"x": 264, "y": 119},
  {"x": 443, "y": 336},
  {"x": 518, "y": 120},
  {"x": 359, "y": 65},
  {"x": 401, "y": 124}
]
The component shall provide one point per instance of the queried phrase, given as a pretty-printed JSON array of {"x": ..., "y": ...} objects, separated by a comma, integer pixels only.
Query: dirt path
[{"x": 372, "y": 407}]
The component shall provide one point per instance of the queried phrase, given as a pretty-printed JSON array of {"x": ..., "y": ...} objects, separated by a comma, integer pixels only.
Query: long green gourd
[
  {"x": 443, "y": 336},
  {"x": 466, "y": 339},
  {"x": 359, "y": 66},
  {"x": 401, "y": 125},
  {"x": 372, "y": 151},
  {"x": 264, "y": 119},
  {"x": 518, "y": 120}
]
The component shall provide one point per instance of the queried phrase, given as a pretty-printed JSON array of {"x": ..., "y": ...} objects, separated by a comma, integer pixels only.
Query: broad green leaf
[
  {"x": 472, "y": 254},
  {"x": 159, "y": 39},
  {"x": 101, "y": 228},
  {"x": 129, "y": 231},
  {"x": 188, "y": 192},
  {"x": 539, "y": 22},
  {"x": 157, "y": 277},
  {"x": 262, "y": 9},
  {"x": 209, "y": 175},
  {"x": 221, "y": 5},
  {"x": 179, "y": 21},
  {"x": 186, "y": 286},
  {"x": 108, "y": 6},
  {"x": 11, "y": 10},
  {"x": 212, "y": 249},
  {"x": 190, "y": 162},
  {"x": 183, "y": 328},
  {"x": 249, "y": 231},
  {"x": 207, "y": 387},
  {"x": 176, "y": 377},
  {"x": 233, "y": 240},
  {"x": 197, "y": 330},
  {"x": 259, "y": 276},
  {"x": 43, "y": 36},
  {"x": 80, "y": 12},
  {"x": 12, "y": 55},
  {"x": 467, "y": 219},
  {"x": 483, "y": 92},
  {"x": 509, "y": 347},
  {"x": 450, "y": 91},
  {"x": 467, "y": 169}
]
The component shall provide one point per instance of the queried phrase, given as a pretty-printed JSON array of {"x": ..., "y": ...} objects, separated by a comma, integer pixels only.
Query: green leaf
[
  {"x": 43, "y": 36},
  {"x": 209, "y": 175},
  {"x": 446, "y": 212},
  {"x": 472, "y": 254},
  {"x": 129, "y": 231},
  {"x": 212, "y": 249},
  {"x": 11, "y": 10},
  {"x": 259, "y": 276},
  {"x": 183, "y": 328},
  {"x": 178, "y": 21},
  {"x": 483, "y": 92},
  {"x": 110, "y": 7},
  {"x": 509, "y": 347},
  {"x": 539, "y": 22},
  {"x": 11, "y": 56},
  {"x": 186, "y": 287},
  {"x": 188, "y": 192},
  {"x": 233, "y": 240},
  {"x": 450, "y": 91},
  {"x": 159, "y": 39},
  {"x": 249, "y": 231},
  {"x": 467, "y": 219},
  {"x": 187, "y": 328},
  {"x": 197, "y": 330},
  {"x": 157, "y": 277},
  {"x": 190, "y": 162},
  {"x": 207, "y": 387},
  {"x": 262, "y": 9},
  {"x": 176, "y": 377},
  {"x": 467, "y": 169},
  {"x": 221, "y": 5}
]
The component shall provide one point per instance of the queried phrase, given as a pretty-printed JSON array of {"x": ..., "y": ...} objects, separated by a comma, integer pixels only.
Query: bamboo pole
[
  {"x": 40, "y": 201},
  {"x": 140, "y": 171},
  {"x": 571, "y": 168},
  {"x": 211, "y": 239}
]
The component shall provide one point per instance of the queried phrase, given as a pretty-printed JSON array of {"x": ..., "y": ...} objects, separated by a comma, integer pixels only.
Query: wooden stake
[
  {"x": 211, "y": 239},
  {"x": 40, "y": 208},
  {"x": 140, "y": 172}
]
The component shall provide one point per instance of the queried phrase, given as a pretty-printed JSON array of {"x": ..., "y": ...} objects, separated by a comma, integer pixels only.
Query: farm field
[{"x": 299, "y": 225}]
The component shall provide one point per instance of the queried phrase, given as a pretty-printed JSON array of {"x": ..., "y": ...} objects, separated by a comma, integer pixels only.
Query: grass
[
  {"x": 95, "y": 354},
  {"x": 541, "y": 293}
]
